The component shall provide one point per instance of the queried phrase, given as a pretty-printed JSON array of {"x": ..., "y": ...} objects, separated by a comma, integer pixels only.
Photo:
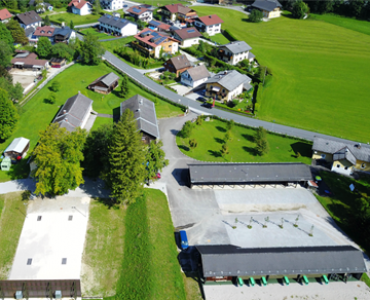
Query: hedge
[{"x": 229, "y": 35}]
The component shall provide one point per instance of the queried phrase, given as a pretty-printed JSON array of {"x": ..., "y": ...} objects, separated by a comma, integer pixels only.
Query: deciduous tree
[
  {"x": 256, "y": 16},
  {"x": 126, "y": 160},
  {"x": 299, "y": 9},
  {"x": 55, "y": 86},
  {"x": 62, "y": 50},
  {"x": 90, "y": 49},
  {"x": 43, "y": 47},
  {"x": 155, "y": 159},
  {"x": 8, "y": 115},
  {"x": 186, "y": 129},
  {"x": 260, "y": 138},
  {"x": 17, "y": 32},
  {"x": 5, "y": 54},
  {"x": 58, "y": 158},
  {"x": 6, "y": 36}
]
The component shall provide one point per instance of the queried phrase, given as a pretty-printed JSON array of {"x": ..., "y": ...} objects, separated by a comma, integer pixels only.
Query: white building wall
[
  {"x": 341, "y": 169},
  {"x": 157, "y": 51},
  {"x": 129, "y": 30},
  {"x": 235, "y": 92},
  {"x": 146, "y": 15},
  {"x": 199, "y": 82},
  {"x": 36, "y": 24},
  {"x": 112, "y": 5},
  {"x": 86, "y": 117},
  {"x": 175, "y": 48},
  {"x": 190, "y": 42},
  {"x": 213, "y": 29}
]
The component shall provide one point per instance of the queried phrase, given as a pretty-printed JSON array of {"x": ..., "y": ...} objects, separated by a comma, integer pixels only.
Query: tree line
[{"x": 114, "y": 153}]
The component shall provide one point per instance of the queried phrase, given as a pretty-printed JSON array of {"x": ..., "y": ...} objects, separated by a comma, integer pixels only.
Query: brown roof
[
  {"x": 147, "y": 37},
  {"x": 5, "y": 14},
  {"x": 29, "y": 17},
  {"x": 78, "y": 3},
  {"x": 44, "y": 31},
  {"x": 188, "y": 33},
  {"x": 199, "y": 72},
  {"x": 31, "y": 59},
  {"x": 138, "y": 10},
  {"x": 174, "y": 8},
  {"x": 180, "y": 62},
  {"x": 210, "y": 20}
]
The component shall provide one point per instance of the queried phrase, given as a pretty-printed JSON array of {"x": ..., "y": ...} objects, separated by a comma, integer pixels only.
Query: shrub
[
  {"x": 186, "y": 129},
  {"x": 224, "y": 149},
  {"x": 230, "y": 125},
  {"x": 199, "y": 121},
  {"x": 256, "y": 16},
  {"x": 193, "y": 143},
  {"x": 299, "y": 9}
]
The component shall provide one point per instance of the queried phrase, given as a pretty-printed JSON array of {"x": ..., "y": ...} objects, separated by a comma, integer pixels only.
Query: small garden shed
[
  {"x": 18, "y": 147},
  {"x": 5, "y": 164}
]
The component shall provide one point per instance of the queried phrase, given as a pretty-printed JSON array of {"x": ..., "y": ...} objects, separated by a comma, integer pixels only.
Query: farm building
[
  {"x": 27, "y": 60},
  {"x": 252, "y": 174},
  {"x": 104, "y": 84},
  {"x": 57, "y": 62},
  {"x": 145, "y": 116},
  {"x": 18, "y": 147}
]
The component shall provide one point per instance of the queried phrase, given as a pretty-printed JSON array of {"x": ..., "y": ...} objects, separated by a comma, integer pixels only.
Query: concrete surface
[
  {"x": 47, "y": 241},
  {"x": 24, "y": 77},
  {"x": 314, "y": 291},
  {"x": 90, "y": 122},
  {"x": 181, "y": 89}
]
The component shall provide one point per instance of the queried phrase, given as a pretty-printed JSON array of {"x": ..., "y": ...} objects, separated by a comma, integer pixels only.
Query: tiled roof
[
  {"x": 44, "y": 31},
  {"x": 29, "y": 17},
  {"x": 174, "y": 8},
  {"x": 210, "y": 20},
  {"x": 188, "y": 33},
  {"x": 198, "y": 72},
  {"x": 137, "y": 10},
  {"x": 5, "y": 14},
  {"x": 180, "y": 62},
  {"x": 158, "y": 24},
  {"x": 78, "y": 3},
  {"x": 152, "y": 38},
  {"x": 229, "y": 79},
  {"x": 29, "y": 59}
]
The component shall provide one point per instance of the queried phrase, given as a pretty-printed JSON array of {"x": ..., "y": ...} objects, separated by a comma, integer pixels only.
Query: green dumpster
[
  {"x": 264, "y": 281},
  {"x": 325, "y": 279},
  {"x": 286, "y": 280},
  {"x": 240, "y": 281},
  {"x": 305, "y": 280},
  {"x": 252, "y": 281}
]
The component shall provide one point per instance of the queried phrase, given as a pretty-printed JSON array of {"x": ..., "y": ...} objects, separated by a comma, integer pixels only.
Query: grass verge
[
  {"x": 210, "y": 137},
  {"x": 220, "y": 39},
  {"x": 12, "y": 215}
]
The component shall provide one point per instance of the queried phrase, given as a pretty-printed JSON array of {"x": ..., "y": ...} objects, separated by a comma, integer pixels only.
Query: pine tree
[
  {"x": 8, "y": 115},
  {"x": 262, "y": 145},
  {"x": 97, "y": 7},
  {"x": 71, "y": 25},
  {"x": 58, "y": 157},
  {"x": 124, "y": 87},
  {"x": 126, "y": 160}
]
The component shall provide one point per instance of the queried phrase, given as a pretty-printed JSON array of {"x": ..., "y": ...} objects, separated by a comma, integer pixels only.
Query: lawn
[
  {"x": 210, "y": 136},
  {"x": 38, "y": 113},
  {"x": 111, "y": 45},
  {"x": 103, "y": 253},
  {"x": 99, "y": 121},
  {"x": 343, "y": 205},
  {"x": 320, "y": 72},
  {"x": 349, "y": 23},
  {"x": 220, "y": 39},
  {"x": 12, "y": 215},
  {"x": 96, "y": 33},
  {"x": 150, "y": 266},
  {"x": 77, "y": 19}
]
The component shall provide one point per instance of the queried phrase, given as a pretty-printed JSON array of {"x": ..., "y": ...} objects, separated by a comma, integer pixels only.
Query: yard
[
  {"x": 77, "y": 19},
  {"x": 210, "y": 137},
  {"x": 12, "y": 214},
  {"x": 96, "y": 33},
  {"x": 320, "y": 77},
  {"x": 38, "y": 113},
  {"x": 220, "y": 39}
]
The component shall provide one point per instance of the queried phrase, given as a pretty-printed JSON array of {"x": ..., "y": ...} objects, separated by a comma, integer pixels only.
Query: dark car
[
  {"x": 202, "y": 99},
  {"x": 125, "y": 5},
  {"x": 207, "y": 105}
]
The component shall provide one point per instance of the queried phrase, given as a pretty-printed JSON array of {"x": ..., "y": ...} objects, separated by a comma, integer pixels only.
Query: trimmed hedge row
[{"x": 229, "y": 35}]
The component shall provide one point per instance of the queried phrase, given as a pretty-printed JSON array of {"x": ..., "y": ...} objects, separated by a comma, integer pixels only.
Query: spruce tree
[
  {"x": 126, "y": 160},
  {"x": 124, "y": 87}
]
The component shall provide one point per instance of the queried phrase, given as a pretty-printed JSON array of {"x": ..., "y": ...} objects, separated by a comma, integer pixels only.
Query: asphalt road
[{"x": 196, "y": 106}]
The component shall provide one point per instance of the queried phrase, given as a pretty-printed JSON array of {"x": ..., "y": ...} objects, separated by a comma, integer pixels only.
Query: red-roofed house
[
  {"x": 187, "y": 36},
  {"x": 46, "y": 31},
  {"x": 5, "y": 15},
  {"x": 151, "y": 42},
  {"x": 209, "y": 24},
  {"x": 178, "y": 11},
  {"x": 141, "y": 13},
  {"x": 80, "y": 7}
]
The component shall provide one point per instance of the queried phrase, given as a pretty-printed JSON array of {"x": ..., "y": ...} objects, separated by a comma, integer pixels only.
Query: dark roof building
[
  {"x": 229, "y": 260},
  {"x": 105, "y": 84},
  {"x": 210, "y": 20},
  {"x": 114, "y": 21},
  {"x": 177, "y": 64},
  {"x": 187, "y": 33},
  {"x": 26, "y": 60},
  {"x": 74, "y": 112},
  {"x": 160, "y": 26},
  {"x": 198, "y": 72},
  {"x": 29, "y": 18},
  {"x": 248, "y": 173},
  {"x": 230, "y": 80},
  {"x": 268, "y": 5},
  {"x": 145, "y": 116}
]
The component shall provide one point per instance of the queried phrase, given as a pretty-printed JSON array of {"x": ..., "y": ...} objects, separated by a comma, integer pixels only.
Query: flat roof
[{"x": 225, "y": 173}]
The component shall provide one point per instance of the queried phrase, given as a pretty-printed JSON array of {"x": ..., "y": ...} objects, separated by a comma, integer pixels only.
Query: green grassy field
[
  {"x": 38, "y": 113},
  {"x": 150, "y": 268},
  {"x": 99, "y": 121},
  {"x": 96, "y": 33},
  {"x": 349, "y": 23},
  {"x": 103, "y": 254},
  {"x": 320, "y": 72},
  {"x": 12, "y": 215},
  {"x": 220, "y": 39},
  {"x": 77, "y": 19},
  {"x": 210, "y": 136}
]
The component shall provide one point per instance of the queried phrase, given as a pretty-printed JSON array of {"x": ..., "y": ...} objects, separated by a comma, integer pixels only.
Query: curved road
[{"x": 196, "y": 106}]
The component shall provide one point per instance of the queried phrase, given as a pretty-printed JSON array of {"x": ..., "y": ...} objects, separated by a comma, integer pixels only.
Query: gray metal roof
[
  {"x": 198, "y": 72},
  {"x": 359, "y": 151},
  {"x": 219, "y": 173},
  {"x": 73, "y": 112},
  {"x": 237, "y": 47},
  {"x": 144, "y": 113},
  {"x": 114, "y": 21},
  {"x": 64, "y": 31},
  {"x": 345, "y": 153},
  {"x": 229, "y": 260},
  {"x": 109, "y": 78},
  {"x": 18, "y": 145},
  {"x": 29, "y": 31},
  {"x": 268, "y": 5},
  {"x": 247, "y": 86},
  {"x": 229, "y": 79}
]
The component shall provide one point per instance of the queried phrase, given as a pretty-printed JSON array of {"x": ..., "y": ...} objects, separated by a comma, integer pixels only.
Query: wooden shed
[
  {"x": 104, "y": 84},
  {"x": 18, "y": 147},
  {"x": 57, "y": 62}
]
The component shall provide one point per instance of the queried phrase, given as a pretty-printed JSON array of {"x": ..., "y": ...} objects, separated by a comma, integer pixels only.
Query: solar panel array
[
  {"x": 162, "y": 39},
  {"x": 154, "y": 23},
  {"x": 108, "y": 16},
  {"x": 136, "y": 10},
  {"x": 191, "y": 30}
]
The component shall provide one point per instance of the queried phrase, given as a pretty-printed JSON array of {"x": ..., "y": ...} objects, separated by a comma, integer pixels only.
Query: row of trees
[
  {"x": 114, "y": 153},
  {"x": 23, "y": 5}
]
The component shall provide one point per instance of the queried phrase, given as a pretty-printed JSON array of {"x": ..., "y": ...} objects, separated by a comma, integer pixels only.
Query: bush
[
  {"x": 256, "y": 16},
  {"x": 229, "y": 35},
  {"x": 299, "y": 9},
  {"x": 193, "y": 143},
  {"x": 186, "y": 129},
  {"x": 199, "y": 121}
]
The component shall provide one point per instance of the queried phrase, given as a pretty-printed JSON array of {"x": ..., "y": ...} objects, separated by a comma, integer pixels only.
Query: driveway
[{"x": 181, "y": 89}]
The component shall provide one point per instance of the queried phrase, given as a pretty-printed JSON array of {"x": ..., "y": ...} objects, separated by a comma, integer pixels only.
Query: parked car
[
  {"x": 207, "y": 105},
  {"x": 202, "y": 99},
  {"x": 183, "y": 240}
]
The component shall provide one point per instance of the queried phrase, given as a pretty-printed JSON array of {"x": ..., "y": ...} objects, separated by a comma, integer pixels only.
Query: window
[
  {"x": 338, "y": 166},
  {"x": 64, "y": 261},
  {"x": 39, "y": 218},
  {"x": 363, "y": 166},
  {"x": 70, "y": 218},
  {"x": 323, "y": 156},
  {"x": 29, "y": 261}
]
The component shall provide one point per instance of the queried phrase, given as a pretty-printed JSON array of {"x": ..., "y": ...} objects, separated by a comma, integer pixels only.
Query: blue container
[{"x": 184, "y": 240}]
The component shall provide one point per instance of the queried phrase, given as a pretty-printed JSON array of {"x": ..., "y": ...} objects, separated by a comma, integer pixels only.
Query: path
[{"x": 196, "y": 106}]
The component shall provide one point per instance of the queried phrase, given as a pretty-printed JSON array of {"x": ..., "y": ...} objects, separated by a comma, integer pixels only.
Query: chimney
[
  {"x": 64, "y": 112},
  {"x": 63, "y": 24}
]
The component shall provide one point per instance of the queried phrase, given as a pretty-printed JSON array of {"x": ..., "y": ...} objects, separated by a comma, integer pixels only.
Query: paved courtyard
[{"x": 52, "y": 239}]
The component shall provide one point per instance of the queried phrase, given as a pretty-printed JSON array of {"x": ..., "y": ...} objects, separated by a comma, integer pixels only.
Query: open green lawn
[
  {"x": 103, "y": 254},
  {"x": 210, "y": 137},
  {"x": 220, "y": 39},
  {"x": 150, "y": 268},
  {"x": 99, "y": 121},
  {"x": 320, "y": 72},
  {"x": 77, "y": 19},
  {"x": 349, "y": 23},
  {"x": 38, "y": 113},
  {"x": 12, "y": 215},
  {"x": 111, "y": 45},
  {"x": 96, "y": 33}
]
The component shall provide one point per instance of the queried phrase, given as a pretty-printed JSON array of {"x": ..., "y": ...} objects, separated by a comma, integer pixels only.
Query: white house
[
  {"x": 187, "y": 36},
  {"x": 111, "y": 4},
  {"x": 235, "y": 52},
  {"x": 195, "y": 76},
  {"x": 29, "y": 19},
  {"x": 209, "y": 24},
  {"x": 270, "y": 8},
  {"x": 141, "y": 13},
  {"x": 80, "y": 7},
  {"x": 117, "y": 26}
]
